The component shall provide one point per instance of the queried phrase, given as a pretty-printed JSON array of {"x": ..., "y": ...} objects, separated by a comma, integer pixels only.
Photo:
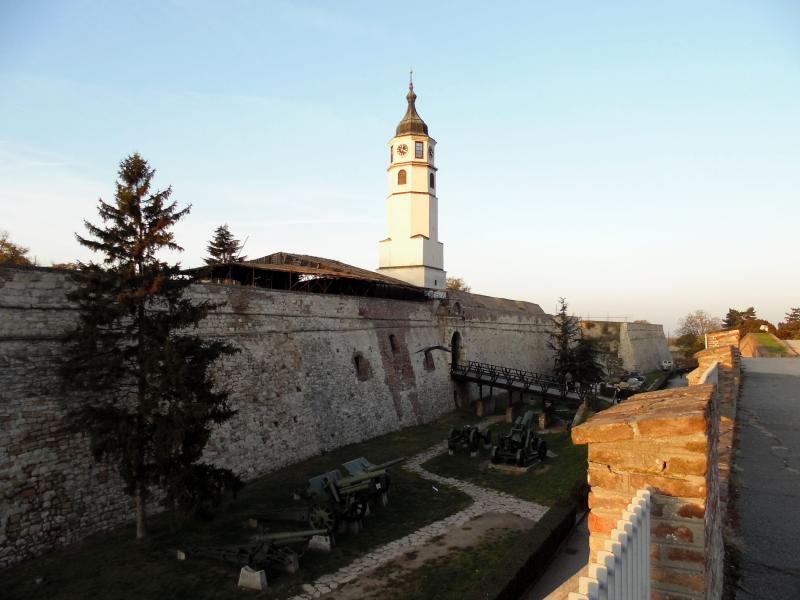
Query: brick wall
[{"x": 667, "y": 441}]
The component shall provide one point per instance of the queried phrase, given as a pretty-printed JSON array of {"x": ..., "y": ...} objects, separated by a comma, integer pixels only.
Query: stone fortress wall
[
  {"x": 634, "y": 346},
  {"x": 315, "y": 372}
]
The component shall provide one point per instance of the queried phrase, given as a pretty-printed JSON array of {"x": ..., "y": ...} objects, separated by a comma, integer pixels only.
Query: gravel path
[{"x": 484, "y": 501}]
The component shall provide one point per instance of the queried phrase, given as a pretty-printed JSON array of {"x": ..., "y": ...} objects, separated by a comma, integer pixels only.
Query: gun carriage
[
  {"x": 521, "y": 444},
  {"x": 469, "y": 437}
]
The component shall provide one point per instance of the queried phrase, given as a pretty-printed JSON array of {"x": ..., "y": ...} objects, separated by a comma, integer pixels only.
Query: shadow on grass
[{"x": 112, "y": 565}]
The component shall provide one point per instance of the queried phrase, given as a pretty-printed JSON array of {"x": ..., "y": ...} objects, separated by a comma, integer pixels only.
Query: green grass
[
  {"x": 770, "y": 344},
  {"x": 112, "y": 565},
  {"x": 545, "y": 485}
]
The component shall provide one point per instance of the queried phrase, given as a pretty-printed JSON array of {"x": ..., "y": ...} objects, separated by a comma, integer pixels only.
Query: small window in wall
[
  {"x": 401, "y": 177},
  {"x": 428, "y": 362},
  {"x": 391, "y": 153},
  {"x": 432, "y": 181},
  {"x": 393, "y": 343},
  {"x": 419, "y": 150},
  {"x": 362, "y": 366}
]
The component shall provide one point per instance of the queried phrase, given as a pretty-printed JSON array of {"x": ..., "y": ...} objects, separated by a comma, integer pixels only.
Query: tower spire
[{"x": 411, "y": 122}]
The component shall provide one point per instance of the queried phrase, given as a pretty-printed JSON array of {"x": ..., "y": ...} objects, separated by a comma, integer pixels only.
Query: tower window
[
  {"x": 419, "y": 150},
  {"x": 428, "y": 362},
  {"x": 393, "y": 343},
  {"x": 401, "y": 177},
  {"x": 432, "y": 181},
  {"x": 391, "y": 153}
]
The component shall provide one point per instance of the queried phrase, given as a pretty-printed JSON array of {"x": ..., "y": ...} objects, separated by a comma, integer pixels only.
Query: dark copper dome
[{"x": 411, "y": 122}]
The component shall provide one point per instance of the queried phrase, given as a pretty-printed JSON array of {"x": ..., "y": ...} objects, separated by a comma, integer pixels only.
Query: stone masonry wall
[
  {"x": 295, "y": 385},
  {"x": 642, "y": 346},
  {"x": 637, "y": 346},
  {"x": 666, "y": 441}
]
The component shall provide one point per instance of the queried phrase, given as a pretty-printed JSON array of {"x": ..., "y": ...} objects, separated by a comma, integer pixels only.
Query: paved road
[{"x": 769, "y": 478}]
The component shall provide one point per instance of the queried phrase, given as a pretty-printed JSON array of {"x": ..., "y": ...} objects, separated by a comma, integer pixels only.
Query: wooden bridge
[{"x": 515, "y": 380}]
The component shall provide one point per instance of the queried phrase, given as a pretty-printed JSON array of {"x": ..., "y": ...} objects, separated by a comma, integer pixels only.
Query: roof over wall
[
  {"x": 301, "y": 272},
  {"x": 468, "y": 299}
]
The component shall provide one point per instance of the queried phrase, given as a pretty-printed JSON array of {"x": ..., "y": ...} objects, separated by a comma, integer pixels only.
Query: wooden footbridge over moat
[{"x": 516, "y": 380}]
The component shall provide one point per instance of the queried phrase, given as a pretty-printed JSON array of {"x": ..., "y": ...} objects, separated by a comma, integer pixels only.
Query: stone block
[
  {"x": 251, "y": 579},
  {"x": 323, "y": 543}
]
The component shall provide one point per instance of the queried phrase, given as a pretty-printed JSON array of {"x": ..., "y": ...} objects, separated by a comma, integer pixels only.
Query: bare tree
[
  {"x": 457, "y": 283},
  {"x": 698, "y": 323}
]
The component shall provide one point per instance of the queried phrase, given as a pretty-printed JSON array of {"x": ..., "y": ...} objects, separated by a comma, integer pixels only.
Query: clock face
[{"x": 402, "y": 149}]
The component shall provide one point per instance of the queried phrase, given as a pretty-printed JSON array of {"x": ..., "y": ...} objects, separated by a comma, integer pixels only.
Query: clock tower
[{"x": 412, "y": 251}]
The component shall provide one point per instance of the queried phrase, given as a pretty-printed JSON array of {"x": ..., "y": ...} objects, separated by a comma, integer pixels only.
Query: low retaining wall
[{"x": 666, "y": 441}]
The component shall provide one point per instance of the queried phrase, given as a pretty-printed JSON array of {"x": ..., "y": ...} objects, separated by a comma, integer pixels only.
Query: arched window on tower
[
  {"x": 401, "y": 177},
  {"x": 433, "y": 181}
]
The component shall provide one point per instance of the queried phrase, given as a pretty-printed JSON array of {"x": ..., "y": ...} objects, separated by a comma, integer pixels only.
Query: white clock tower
[{"x": 412, "y": 251}]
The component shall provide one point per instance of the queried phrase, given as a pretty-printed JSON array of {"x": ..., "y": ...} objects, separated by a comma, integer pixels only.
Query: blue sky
[{"x": 640, "y": 158}]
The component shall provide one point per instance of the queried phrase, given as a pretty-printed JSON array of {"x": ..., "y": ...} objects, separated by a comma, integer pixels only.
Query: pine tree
[
  {"x": 565, "y": 334},
  {"x": 147, "y": 399},
  {"x": 586, "y": 362},
  {"x": 223, "y": 247}
]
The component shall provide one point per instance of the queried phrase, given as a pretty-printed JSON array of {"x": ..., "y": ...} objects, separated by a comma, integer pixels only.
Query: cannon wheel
[
  {"x": 321, "y": 517},
  {"x": 541, "y": 450},
  {"x": 451, "y": 438},
  {"x": 473, "y": 440},
  {"x": 487, "y": 439},
  {"x": 494, "y": 455},
  {"x": 520, "y": 458}
]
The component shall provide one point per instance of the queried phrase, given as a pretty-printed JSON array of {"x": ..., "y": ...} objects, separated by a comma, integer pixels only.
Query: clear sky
[{"x": 641, "y": 159}]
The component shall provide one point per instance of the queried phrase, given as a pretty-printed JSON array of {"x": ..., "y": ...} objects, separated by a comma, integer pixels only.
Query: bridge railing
[
  {"x": 500, "y": 375},
  {"x": 622, "y": 570}
]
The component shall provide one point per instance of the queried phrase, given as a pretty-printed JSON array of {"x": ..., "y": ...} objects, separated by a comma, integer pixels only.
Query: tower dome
[{"x": 411, "y": 123}]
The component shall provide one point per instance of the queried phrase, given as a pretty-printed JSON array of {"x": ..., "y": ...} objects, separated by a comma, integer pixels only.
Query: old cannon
[
  {"x": 377, "y": 475},
  {"x": 469, "y": 437},
  {"x": 272, "y": 549},
  {"x": 333, "y": 498},
  {"x": 521, "y": 444}
]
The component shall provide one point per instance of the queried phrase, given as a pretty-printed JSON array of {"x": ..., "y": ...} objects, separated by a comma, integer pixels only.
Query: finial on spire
[{"x": 411, "y": 79}]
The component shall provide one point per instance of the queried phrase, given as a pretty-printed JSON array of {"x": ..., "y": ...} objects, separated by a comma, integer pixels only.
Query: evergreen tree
[
  {"x": 586, "y": 360},
  {"x": 790, "y": 328},
  {"x": 147, "y": 397},
  {"x": 223, "y": 247},
  {"x": 565, "y": 334}
]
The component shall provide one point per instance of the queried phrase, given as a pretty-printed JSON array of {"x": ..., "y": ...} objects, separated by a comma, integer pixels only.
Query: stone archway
[{"x": 456, "y": 349}]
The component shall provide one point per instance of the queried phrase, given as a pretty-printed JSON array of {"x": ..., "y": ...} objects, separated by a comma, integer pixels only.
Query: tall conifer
[
  {"x": 146, "y": 392},
  {"x": 223, "y": 247}
]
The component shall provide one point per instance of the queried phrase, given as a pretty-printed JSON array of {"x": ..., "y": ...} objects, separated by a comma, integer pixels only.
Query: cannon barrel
[
  {"x": 289, "y": 536},
  {"x": 387, "y": 464}
]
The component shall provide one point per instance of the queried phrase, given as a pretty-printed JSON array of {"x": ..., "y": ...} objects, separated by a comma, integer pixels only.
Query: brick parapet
[{"x": 665, "y": 441}]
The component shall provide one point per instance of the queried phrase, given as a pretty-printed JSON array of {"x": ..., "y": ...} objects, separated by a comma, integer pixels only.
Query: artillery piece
[
  {"x": 469, "y": 437},
  {"x": 334, "y": 498},
  {"x": 521, "y": 444},
  {"x": 282, "y": 549}
]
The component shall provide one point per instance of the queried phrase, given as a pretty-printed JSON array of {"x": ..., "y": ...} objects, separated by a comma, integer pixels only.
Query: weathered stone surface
[
  {"x": 251, "y": 579},
  {"x": 294, "y": 383}
]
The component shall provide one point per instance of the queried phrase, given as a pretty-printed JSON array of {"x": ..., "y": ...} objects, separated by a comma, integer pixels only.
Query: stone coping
[{"x": 664, "y": 413}]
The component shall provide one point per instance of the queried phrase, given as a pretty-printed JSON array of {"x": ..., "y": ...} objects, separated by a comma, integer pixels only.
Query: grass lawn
[
  {"x": 546, "y": 484},
  {"x": 770, "y": 344},
  {"x": 112, "y": 565}
]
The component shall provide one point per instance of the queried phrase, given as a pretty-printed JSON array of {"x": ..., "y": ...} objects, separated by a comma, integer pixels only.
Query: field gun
[
  {"x": 334, "y": 498},
  {"x": 281, "y": 549},
  {"x": 469, "y": 437},
  {"x": 521, "y": 444}
]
